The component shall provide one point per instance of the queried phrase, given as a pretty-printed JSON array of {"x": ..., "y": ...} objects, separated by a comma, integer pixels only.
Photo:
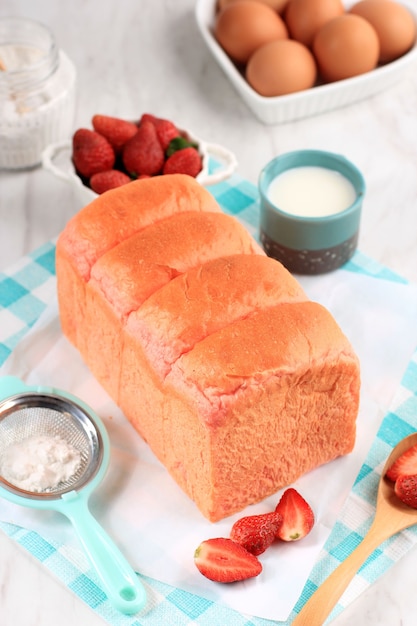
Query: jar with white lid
[{"x": 37, "y": 92}]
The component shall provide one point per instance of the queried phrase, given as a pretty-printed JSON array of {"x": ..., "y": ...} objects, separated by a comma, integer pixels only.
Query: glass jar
[{"x": 37, "y": 93}]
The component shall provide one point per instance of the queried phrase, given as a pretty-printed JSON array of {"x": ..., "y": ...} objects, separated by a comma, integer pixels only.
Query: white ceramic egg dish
[{"x": 310, "y": 101}]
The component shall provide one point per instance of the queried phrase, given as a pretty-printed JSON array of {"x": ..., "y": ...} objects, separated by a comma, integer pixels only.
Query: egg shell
[
  {"x": 394, "y": 25},
  {"x": 305, "y": 17},
  {"x": 277, "y": 5},
  {"x": 281, "y": 67},
  {"x": 245, "y": 25},
  {"x": 346, "y": 46}
]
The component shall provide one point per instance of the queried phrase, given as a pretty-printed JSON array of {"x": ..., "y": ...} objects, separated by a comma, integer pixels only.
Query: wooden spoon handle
[{"x": 321, "y": 603}]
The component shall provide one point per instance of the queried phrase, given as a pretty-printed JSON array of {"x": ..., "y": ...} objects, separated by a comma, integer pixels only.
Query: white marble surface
[{"x": 134, "y": 57}]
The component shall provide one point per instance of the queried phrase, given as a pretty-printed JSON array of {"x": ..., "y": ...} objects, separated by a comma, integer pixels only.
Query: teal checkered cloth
[{"x": 28, "y": 287}]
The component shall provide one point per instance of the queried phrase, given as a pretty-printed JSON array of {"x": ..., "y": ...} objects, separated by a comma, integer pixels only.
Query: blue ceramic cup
[{"x": 310, "y": 245}]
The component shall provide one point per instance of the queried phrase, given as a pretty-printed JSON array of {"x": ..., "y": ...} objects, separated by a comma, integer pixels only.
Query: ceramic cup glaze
[{"x": 311, "y": 243}]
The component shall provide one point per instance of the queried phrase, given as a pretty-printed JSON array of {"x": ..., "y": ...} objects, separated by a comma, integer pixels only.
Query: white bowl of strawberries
[{"x": 116, "y": 151}]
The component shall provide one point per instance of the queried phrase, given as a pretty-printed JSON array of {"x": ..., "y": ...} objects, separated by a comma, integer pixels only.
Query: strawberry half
[
  {"x": 406, "y": 490},
  {"x": 225, "y": 561},
  {"x": 297, "y": 516},
  {"x": 256, "y": 532},
  {"x": 405, "y": 465}
]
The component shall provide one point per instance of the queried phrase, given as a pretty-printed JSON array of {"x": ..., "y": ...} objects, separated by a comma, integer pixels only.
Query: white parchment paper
[{"x": 153, "y": 522}]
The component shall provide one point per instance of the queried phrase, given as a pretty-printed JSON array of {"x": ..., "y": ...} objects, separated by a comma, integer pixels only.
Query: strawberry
[
  {"x": 103, "y": 181},
  {"x": 256, "y": 532},
  {"x": 178, "y": 143},
  {"x": 186, "y": 161},
  {"x": 297, "y": 516},
  {"x": 91, "y": 152},
  {"x": 147, "y": 117},
  {"x": 225, "y": 561},
  {"x": 115, "y": 130},
  {"x": 165, "y": 129},
  {"x": 406, "y": 490},
  {"x": 143, "y": 153},
  {"x": 405, "y": 465}
]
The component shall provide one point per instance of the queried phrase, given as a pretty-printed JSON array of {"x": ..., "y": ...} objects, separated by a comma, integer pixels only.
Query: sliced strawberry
[
  {"x": 256, "y": 532},
  {"x": 406, "y": 490},
  {"x": 225, "y": 561},
  {"x": 297, "y": 516},
  {"x": 117, "y": 131},
  {"x": 143, "y": 153},
  {"x": 185, "y": 161},
  {"x": 110, "y": 179},
  {"x": 405, "y": 465},
  {"x": 91, "y": 152}
]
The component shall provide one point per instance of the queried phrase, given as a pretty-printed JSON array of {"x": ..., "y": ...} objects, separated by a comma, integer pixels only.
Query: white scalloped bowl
[
  {"x": 56, "y": 159},
  {"x": 306, "y": 103}
]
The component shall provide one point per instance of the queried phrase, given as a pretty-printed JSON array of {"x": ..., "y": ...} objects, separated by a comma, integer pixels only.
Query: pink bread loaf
[{"x": 236, "y": 380}]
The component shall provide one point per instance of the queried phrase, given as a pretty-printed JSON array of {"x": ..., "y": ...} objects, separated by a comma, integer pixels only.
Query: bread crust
[{"x": 236, "y": 380}]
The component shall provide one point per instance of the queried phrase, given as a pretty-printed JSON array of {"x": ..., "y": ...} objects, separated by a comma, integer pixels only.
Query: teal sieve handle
[
  {"x": 120, "y": 582},
  {"x": 11, "y": 385}
]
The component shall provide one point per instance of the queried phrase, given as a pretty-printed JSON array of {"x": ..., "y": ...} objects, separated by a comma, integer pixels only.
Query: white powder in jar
[{"x": 39, "y": 463}]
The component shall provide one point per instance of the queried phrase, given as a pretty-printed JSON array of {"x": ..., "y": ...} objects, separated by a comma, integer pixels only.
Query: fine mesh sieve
[{"x": 27, "y": 412}]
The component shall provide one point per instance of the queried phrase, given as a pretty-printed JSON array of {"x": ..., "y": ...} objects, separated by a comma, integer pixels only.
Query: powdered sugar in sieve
[{"x": 48, "y": 445}]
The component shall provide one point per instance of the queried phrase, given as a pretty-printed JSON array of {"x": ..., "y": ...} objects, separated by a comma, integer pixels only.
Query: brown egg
[
  {"x": 281, "y": 67},
  {"x": 245, "y": 25},
  {"x": 305, "y": 17},
  {"x": 277, "y": 5},
  {"x": 346, "y": 46},
  {"x": 394, "y": 26}
]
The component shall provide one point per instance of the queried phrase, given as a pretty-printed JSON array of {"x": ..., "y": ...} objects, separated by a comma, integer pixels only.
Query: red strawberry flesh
[
  {"x": 225, "y": 561},
  {"x": 297, "y": 516},
  {"x": 405, "y": 465}
]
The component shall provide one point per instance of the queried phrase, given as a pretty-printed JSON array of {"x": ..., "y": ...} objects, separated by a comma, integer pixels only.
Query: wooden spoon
[{"x": 391, "y": 516}]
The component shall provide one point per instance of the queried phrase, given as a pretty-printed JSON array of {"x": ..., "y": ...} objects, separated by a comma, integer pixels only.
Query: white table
[{"x": 136, "y": 57}]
